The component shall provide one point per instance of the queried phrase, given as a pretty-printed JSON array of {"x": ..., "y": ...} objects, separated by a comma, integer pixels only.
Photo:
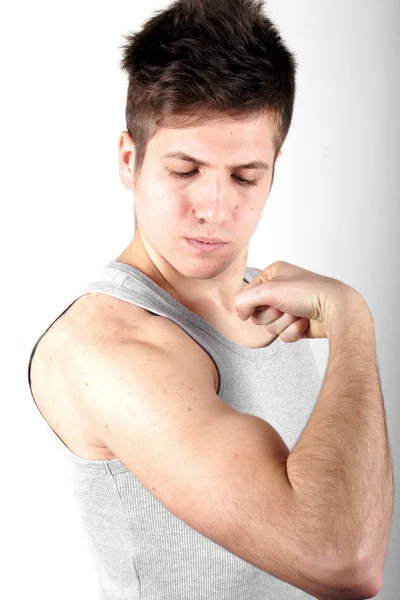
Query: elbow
[
  {"x": 368, "y": 582},
  {"x": 340, "y": 580},
  {"x": 358, "y": 582}
]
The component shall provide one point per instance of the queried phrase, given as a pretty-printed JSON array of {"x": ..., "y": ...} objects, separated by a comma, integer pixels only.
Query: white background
[{"x": 333, "y": 208}]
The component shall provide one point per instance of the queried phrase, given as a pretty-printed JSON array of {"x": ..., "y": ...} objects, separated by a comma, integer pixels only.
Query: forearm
[{"x": 340, "y": 468}]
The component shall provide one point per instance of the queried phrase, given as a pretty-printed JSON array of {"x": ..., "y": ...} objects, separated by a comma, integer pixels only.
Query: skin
[{"x": 169, "y": 209}]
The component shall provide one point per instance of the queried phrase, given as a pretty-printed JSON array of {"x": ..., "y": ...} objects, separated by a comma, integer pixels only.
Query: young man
[{"x": 179, "y": 416}]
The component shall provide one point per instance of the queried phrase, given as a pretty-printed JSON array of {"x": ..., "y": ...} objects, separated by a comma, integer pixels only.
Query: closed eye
[{"x": 245, "y": 182}]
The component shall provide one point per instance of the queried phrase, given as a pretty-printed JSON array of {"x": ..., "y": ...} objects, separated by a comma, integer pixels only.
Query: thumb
[{"x": 272, "y": 271}]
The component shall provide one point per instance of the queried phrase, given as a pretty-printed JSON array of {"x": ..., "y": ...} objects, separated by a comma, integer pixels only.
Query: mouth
[
  {"x": 205, "y": 246},
  {"x": 209, "y": 240}
]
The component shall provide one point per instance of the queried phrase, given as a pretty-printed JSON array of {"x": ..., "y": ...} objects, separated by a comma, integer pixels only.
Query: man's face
[{"x": 214, "y": 200}]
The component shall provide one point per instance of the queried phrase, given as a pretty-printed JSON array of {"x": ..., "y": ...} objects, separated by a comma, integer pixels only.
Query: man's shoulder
[
  {"x": 101, "y": 320},
  {"x": 109, "y": 323},
  {"x": 98, "y": 317}
]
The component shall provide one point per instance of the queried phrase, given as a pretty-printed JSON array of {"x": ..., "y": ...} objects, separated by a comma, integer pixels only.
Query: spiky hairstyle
[{"x": 203, "y": 58}]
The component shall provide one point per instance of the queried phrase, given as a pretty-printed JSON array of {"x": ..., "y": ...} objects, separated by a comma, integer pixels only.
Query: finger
[
  {"x": 277, "y": 323},
  {"x": 295, "y": 331},
  {"x": 263, "y": 315},
  {"x": 280, "y": 325},
  {"x": 247, "y": 301},
  {"x": 273, "y": 316}
]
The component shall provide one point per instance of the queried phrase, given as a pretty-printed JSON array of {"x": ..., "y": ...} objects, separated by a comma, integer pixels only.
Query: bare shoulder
[
  {"x": 100, "y": 321},
  {"x": 100, "y": 314},
  {"x": 90, "y": 342}
]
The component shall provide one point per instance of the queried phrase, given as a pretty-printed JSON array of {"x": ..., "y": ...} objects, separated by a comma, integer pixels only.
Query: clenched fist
[{"x": 295, "y": 303}]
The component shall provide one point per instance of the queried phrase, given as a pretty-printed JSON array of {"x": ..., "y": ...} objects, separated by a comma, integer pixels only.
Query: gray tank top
[{"x": 145, "y": 551}]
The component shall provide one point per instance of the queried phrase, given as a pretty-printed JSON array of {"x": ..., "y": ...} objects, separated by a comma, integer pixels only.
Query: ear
[
  {"x": 126, "y": 156},
  {"x": 278, "y": 155}
]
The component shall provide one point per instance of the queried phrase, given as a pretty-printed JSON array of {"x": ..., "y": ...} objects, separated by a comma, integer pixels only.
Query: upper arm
[{"x": 220, "y": 471}]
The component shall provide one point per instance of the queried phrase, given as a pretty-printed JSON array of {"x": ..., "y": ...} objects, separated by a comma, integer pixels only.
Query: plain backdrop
[{"x": 333, "y": 209}]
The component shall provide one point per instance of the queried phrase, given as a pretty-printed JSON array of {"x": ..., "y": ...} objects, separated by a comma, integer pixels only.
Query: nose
[{"x": 213, "y": 206}]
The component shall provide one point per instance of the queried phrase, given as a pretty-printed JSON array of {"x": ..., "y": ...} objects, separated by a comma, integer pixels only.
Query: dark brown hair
[{"x": 203, "y": 58}]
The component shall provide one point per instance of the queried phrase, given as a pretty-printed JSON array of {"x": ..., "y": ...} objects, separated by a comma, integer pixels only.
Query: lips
[
  {"x": 209, "y": 240},
  {"x": 208, "y": 243},
  {"x": 203, "y": 246}
]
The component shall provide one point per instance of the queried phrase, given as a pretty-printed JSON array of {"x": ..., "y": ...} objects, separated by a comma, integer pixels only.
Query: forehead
[{"x": 218, "y": 135}]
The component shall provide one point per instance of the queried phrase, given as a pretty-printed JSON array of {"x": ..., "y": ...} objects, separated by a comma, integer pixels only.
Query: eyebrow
[{"x": 257, "y": 164}]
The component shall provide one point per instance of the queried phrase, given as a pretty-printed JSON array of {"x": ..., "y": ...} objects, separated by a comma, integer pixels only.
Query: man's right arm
[{"x": 223, "y": 472}]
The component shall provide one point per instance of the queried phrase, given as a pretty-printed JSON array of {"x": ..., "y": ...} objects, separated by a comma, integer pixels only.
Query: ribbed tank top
[{"x": 146, "y": 552}]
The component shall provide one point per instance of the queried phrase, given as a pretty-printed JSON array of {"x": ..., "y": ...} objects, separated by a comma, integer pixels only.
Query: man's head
[{"x": 215, "y": 81}]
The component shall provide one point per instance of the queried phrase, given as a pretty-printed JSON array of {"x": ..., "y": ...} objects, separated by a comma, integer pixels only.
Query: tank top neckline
[{"x": 253, "y": 354}]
